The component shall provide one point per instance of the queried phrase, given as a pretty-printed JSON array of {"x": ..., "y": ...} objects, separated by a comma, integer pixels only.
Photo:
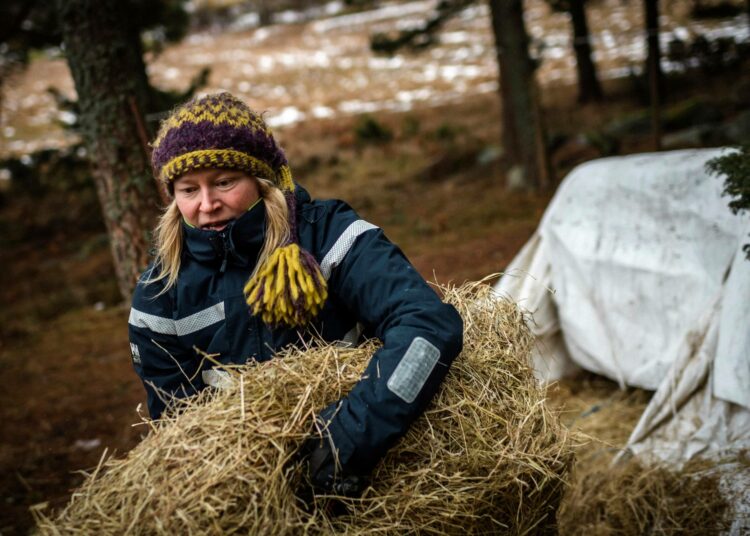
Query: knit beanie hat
[{"x": 221, "y": 131}]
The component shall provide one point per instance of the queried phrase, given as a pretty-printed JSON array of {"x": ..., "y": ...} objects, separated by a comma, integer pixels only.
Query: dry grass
[
  {"x": 487, "y": 456},
  {"x": 599, "y": 413},
  {"x": 631, "y": 498}
]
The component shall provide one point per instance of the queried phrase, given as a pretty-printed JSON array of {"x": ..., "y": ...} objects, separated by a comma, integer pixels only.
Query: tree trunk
[
  {"x": 509, "y": 136},
  {"x": 588, "y": 83},
  {"x": 520, "y": 103},
  {"x": 653, "y": 68},
  {"x": 105, "y": 59},
  {"x": 265, "y": 15}
]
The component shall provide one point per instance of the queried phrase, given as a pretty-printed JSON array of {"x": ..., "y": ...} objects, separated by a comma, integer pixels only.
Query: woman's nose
[{"x": 208, "y": 200}]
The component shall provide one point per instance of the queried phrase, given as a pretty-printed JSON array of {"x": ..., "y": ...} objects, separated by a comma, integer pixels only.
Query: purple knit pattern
[
  {"x": 190, "y": 137},
  {"x": 307, "y": 260},
  {"x": 291, "y": 203}
]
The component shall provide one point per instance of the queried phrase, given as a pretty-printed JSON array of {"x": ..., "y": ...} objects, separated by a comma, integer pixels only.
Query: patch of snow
[
  {"x": 736, "y": 28},
  {"x": 607, "y": 40},
  {"x": 287, "y": 116},
  {"x": 315, "y": 12},
  {"x": 422, "y": 94},
  {"x": 461, "y": 54},
  {"x": 358, "y": 107},
  {"x": 555, "y": 52},
  {"x": 455, "y": 38},
  {"x": 377, "y": 62},
  {"x": 199, "y": 38},
  {"x": 172, "y": 73},
  {"x": 289, "y": 17},
  {"x": 266, "y": 64},
  {"x": 322, "y": 112},
  {"x": 320, "y": 59},
  {"x": 681, "y": 33},
  {"x": 388, "y": 11},
  {"x": 67, "y": 117},
  {"x": 430, "y": 72},
  {"x": 260, "y": 35},
  {"x": 452, "y": 72},
  {"x": 487, "y": 87},
  {"x": 246, "y": 21},
  {"x": 405, "y": 23}
]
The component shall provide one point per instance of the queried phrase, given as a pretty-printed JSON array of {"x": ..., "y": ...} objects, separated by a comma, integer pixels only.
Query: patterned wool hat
[{"x": 221, "y": 131}]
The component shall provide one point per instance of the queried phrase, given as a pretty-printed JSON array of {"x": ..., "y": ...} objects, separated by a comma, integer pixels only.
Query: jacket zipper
[{"x": 225, "y": 244}]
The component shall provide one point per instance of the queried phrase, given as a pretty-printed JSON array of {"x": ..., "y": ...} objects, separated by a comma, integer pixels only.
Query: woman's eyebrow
[{"x": 227, "y": 175}]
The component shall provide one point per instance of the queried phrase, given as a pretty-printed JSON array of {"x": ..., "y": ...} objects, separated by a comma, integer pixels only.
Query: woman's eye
[{"x": 225, "y": 183}]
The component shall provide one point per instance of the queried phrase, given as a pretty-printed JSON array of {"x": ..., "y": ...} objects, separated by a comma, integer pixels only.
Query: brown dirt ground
[{"x": 70, "y": 392}]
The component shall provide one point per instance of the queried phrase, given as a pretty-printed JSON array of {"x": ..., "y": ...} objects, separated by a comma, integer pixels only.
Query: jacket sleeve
[
  {"x": 421, "y": 337},
  {"x": 167, "y": 369}
]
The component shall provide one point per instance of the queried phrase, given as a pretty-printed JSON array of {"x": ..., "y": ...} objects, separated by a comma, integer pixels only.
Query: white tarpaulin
[{"x": 637, "y": 273}]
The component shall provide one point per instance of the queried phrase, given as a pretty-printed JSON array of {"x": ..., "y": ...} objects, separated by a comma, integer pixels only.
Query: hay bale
[{"x": 487, "y": 456}]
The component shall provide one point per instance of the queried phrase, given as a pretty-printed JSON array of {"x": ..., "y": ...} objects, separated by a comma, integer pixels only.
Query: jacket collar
[{"x": 238, "y": 244}]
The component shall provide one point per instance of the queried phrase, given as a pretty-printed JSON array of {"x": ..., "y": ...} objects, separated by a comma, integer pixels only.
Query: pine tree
[
  {"x": 105, "y": 58},
  {"x": 589, "y": 88},
  {"x": 734, "y": 167},
  {"x": 521, "y": 103}
]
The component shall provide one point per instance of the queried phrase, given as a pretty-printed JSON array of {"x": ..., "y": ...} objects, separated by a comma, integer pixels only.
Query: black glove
[
  {"x": 323, "y": 474},
  {"x": 321, "y": 479}
]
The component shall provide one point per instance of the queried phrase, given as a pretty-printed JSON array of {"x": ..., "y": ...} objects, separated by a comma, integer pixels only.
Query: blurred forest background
[{"x": 448, "y": 123}]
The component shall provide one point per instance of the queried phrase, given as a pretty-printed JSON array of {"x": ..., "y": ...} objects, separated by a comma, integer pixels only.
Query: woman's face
[{"x": 211, "y": 198}]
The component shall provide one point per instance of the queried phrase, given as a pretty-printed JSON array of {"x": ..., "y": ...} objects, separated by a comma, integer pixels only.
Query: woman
[{"x": 247, "y": 263}]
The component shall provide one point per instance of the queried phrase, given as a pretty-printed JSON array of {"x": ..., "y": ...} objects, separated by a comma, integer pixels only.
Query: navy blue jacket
[{"x": 372, "y": 287}]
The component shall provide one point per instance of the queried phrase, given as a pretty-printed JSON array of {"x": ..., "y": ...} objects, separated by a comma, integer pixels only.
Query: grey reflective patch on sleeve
[
  {"x": 413, "y": 370},
  {"x": 342, "y": 246}
]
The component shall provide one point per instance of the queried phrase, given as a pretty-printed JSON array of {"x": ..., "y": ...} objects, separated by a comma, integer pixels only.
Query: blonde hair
[{"x": 168, "y": 236}]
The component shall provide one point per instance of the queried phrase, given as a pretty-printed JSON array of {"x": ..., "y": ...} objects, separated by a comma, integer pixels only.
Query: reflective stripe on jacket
[{"x": 371, "y": 286}]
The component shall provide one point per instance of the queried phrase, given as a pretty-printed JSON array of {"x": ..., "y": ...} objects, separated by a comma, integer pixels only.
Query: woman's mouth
[{"x": 215, "y": 225}]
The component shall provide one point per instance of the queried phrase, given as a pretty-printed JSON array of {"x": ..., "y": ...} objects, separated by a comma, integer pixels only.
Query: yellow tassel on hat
[{"x": 288, "y": 289}]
